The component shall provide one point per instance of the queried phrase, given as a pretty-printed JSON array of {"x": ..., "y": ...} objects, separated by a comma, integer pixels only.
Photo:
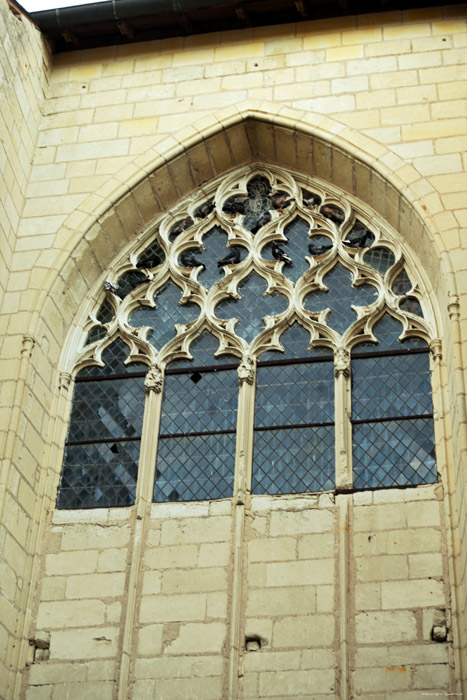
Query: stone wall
[
  {"x": 317, "y": 584},
  {"x": 333, "y": 591},
  {"x": 24, "y": 65}
]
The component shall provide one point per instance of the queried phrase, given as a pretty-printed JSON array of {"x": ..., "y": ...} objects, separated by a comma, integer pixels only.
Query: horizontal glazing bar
[
  {"x": 385, "y": 419},
  {"x": 196, "y": 434},
  {"x": 293, "y": 425},
  {"x": 389, "y": 353},
  {"x": 103, "y": 441},
  {"x": 100, "y": 378},
  {"x": 296, "y": 361}
]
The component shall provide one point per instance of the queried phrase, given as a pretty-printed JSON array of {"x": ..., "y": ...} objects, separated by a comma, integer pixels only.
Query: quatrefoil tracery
[{"x": 249, "y": 227}]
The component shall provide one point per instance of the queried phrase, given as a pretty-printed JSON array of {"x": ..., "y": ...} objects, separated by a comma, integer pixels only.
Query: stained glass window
[
  {"x": 392, "y": 413},
  {"x": 294, "y": 419},
  {"x": 196, "y": 457},
  {"x": 259, "y": 262},
  {"x": 103, "y": 443}
]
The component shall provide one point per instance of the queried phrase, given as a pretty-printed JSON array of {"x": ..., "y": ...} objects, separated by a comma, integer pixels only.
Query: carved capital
[
  {"x": 64, "y": 381},
  {"x": 28, "y": 344},
  {"x": 154, "y": 379},
  {"x": 342, "y": 363},
  {"x": 454, "y": 307},
  {"x": 246, "y": 371},
  {"x": 436, "y": 349}
]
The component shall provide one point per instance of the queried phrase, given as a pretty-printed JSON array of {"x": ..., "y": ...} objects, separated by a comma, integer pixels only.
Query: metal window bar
[
  {"x": 396, "y": 449},
  {"x": 197, "y": 464},
  {"x": 292, "y": 456}
]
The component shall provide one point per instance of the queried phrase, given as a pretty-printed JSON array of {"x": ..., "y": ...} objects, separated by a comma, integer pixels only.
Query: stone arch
[
  {"x": 154, "y": 181},
  {"x": 248, "y": 132}
]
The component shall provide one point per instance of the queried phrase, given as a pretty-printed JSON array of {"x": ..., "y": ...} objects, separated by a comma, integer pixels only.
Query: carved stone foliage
[{"x": 246, "y": 257}]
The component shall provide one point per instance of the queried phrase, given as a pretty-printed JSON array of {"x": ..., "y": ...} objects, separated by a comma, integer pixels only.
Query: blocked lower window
[{"x": 275, "y": 336}]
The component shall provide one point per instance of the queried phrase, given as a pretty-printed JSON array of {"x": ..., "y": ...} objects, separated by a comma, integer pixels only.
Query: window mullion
[
  {"x": 245, "y": 423},
  {"x": 343, "y": 412},
  {"x": 154, "y": 384}
]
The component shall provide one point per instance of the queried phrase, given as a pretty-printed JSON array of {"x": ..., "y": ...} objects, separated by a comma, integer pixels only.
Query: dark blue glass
[
  {"x": 252, "y": 307},
  {"x": 163, "y": 318},
  {"x": 340, "y": 297}
]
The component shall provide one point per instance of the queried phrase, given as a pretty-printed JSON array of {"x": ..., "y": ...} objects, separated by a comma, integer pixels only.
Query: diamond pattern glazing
[
  {"x": 195, "y": 468},
  {"x": 394, "y": 453},
  {"x": 296, "y": 248},
  {"x": 163, "y": 318},
  {"x": 252, "y": 307},
  {"x": 294, "y": 460},
  {"x": 397, "y": 385},
  {"x": 99, "y": 476},
  {"x": 339, "y": 298}
]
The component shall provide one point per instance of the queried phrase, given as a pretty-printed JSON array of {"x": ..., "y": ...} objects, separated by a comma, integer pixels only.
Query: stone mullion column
[
  {"x": 144, "y": 493},
  {"x": 242, "y": 491},
  {"x": 343, "y": 426}
]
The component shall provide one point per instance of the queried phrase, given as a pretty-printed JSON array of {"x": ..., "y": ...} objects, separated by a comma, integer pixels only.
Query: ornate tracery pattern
[{"x": 243, "y": 263}]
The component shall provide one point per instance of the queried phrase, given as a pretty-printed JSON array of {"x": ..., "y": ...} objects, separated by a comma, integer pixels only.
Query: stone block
[
  {"x": 303, "y": 631},
  {"x": 282, "y": 601},
  {"x": 316, "y": 546},
  {"x": 171, "y": 557},
  {"x": 368, "y": 680},
  {"x": 191, "y": 530},
  {"x": 183, "y": 688},
  {"x": 300, "y": 573},
  {"x": 216, "y": 605},
  {"x": 84, "y": 691},
  {"x": 215, "y": 554},
  {"x": 385, "y": 627},
  {"x": 88, "y": 643},
  {"x": 174, "y": 608},
  {"x": 382, "y": 568},
  {"x": 71, "y": 613},
  {"x": 301, "y": 522},
  {"x": 150, "y": 640},
  {"x": 272, "y": 549},
  {"x": 271, "y": 661},
  {"x": 294, "y": 684},
  {"x": 193, "y": 581},
  {"x": 425, "y": 565},
  {"x": 368, "y": 596},
  {"x": 88, "y": 537},
  {"x": 95, "y": 585},
  {"x": 432, "y": 677},
  {"x": 198, "y": 638},
  {"x": 412, "y": 594}
]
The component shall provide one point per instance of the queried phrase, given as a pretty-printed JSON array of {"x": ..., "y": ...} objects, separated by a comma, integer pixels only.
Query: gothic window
[{"x": 275, "y": 337}]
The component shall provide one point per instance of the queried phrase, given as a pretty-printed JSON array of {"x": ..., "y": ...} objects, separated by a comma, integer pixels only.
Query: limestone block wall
[
  {"x": 24, "y": 65},
  {"x": 334, "y": 592},
  {"x": 392, "y": 85}
]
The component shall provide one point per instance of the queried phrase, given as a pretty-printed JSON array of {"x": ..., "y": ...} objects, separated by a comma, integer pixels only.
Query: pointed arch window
[{"x": 275, "y": 337}]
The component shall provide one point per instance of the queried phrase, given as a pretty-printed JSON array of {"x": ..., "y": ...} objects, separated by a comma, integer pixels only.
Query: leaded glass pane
[
  {"x": 296, "y": 248},
  {"x": 387, "y": 331},
  {"x": 398, "y": 385},
  {"x": 99, "y": 475},
  {"x": 203, "y": 349},
  {"x": 114, "y": 357},
  {"x": 165, "y": 315},
  {"x": 129, "y": 281},
  {"x": 195, "y": 467},
  {"x": 252, "y": 307},
  {"x": 412, "y": 305},
  {"x": 380, "y": 258},
  {"x": 340, "y": 297},
  {"x": 402, "y": 283},
  {"x": 151, "y": 257},
  {"x": 199, "y": 402},
  {"x": 215, "y": 255},
  {"x": 294, "y": 394},
  {"x": 295, "y": 341},
  {"x": 394, "y": 453},
  {"x": 107, "y": 409},
  {"x": 293, "y": 460},
  {"x": 96, "y": 333}
]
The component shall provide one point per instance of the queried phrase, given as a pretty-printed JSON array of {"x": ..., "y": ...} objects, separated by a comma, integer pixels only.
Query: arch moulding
[{"x": 303, "y": 141}]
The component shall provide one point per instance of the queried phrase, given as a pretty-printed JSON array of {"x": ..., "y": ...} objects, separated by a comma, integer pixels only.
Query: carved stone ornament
[
  {"x": 436, "y": 348},
  {"x": 246, "y": 371},
  {"x": 64, "y": 381},
  {"x": 154, "y": 379},
  {"x": 342, "y": 363}
]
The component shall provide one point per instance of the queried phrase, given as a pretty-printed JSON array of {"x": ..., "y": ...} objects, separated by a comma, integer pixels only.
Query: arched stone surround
[{"x": 94, "y": 234}]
